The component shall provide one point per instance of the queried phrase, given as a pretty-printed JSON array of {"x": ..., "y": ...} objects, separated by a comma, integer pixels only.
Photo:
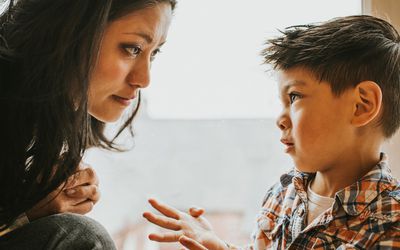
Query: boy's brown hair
[{"x": 344, "y": 52}]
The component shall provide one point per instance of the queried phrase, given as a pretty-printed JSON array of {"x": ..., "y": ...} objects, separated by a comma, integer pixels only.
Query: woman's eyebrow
[{"x": 147, "y": 37}]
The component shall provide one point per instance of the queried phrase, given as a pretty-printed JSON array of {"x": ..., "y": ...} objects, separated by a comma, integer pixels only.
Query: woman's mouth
[{"x": 123, "y": 101}]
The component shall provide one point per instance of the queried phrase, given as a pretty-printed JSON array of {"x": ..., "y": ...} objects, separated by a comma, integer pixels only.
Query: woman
[{"x": 66, "y": 69}]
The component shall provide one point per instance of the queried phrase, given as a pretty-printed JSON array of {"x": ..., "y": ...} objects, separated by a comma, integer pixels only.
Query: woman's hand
[
  {"x": 79, "y": 195},
  {"x": 190, "y": 229}
]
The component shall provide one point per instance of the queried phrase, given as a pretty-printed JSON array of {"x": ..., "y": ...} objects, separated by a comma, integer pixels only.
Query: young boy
[{"x": 340, "y": 89}]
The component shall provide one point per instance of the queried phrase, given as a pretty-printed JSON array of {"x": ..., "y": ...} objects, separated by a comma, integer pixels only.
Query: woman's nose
[{"x": 140, "y": 74}]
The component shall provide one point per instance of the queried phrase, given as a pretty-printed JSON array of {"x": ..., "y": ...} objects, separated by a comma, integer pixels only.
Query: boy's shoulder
[
  {"x": 392, "y": 192},
  {"x": 386, "y": 206},
  {"x": 395, "y": 194},
  {"x": 390, "y": 201},
  {"x": 378, "y": 192}
]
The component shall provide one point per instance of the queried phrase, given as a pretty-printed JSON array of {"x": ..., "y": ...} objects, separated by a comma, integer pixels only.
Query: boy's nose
[{"x": 283, "y": 122}]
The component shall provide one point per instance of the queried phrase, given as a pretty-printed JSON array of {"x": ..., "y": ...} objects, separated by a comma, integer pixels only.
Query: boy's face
[{"x": 315, "y": 124}]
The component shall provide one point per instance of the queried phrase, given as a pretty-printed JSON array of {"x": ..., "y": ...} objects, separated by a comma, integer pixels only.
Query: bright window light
[{"x": 211, "y": 67}]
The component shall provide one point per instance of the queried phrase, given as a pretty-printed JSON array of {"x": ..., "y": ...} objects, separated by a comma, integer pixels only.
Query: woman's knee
[
  {"x": 82, "y": 231},
  {"x": 60, "y": 231}
]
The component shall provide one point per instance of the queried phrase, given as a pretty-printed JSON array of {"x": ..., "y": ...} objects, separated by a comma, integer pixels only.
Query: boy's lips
[{"x": 288, "y": 143}]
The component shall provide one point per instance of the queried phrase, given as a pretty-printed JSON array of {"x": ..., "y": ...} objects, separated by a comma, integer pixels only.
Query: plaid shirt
[{"x": 364, "y": 215}]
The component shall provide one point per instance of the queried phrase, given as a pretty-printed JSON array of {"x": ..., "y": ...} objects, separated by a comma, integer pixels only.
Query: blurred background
[{"x": 206, "y": 133}]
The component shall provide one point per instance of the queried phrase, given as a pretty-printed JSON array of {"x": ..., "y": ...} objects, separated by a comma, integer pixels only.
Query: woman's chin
[{"x": 107, "y": 118}]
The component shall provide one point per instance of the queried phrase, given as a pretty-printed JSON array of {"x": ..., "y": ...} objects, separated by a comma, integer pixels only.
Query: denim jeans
[{"x": 60, "y": 231}]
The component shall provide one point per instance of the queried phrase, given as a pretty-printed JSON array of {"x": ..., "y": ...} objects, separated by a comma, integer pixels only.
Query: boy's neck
[{"x": 351, "y": 168}]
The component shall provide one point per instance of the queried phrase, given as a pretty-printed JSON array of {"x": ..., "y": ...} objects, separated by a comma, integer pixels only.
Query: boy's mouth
[{"x": 288, "y": 143}]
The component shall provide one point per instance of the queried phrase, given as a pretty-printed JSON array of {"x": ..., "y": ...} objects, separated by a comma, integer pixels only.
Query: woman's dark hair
[
  {"x": 47, "y": 52},
  {"x": 344, "y": 52}
]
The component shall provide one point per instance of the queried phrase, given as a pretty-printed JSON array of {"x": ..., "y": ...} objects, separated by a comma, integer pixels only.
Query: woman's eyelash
[
  {"x": 135, "y": 50},
  {"x": 155, "y": 52},
  {"x": 132, "y": 50}
]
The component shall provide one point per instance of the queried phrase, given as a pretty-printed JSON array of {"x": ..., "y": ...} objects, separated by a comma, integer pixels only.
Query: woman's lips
[{"x": 122, "y": 100}]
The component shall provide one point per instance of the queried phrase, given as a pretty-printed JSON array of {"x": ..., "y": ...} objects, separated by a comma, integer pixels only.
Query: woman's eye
[
  {"x": 133, "y": 51},
  {"x": 154, "y": 53},
  {"x": 293, "y": 97}
]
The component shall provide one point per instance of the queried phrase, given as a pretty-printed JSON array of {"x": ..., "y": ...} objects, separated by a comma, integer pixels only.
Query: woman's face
[{"x": 128, "y": 47}]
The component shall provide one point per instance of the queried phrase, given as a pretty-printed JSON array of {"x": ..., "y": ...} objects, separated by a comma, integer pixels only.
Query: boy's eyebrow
[{"x": 293, "y": 83}]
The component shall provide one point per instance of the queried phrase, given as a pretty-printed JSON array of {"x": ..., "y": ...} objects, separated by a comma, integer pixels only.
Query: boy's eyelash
[{"x": 293, "y": 96}]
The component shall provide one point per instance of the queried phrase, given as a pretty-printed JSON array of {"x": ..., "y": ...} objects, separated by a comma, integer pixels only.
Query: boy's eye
[
  {"x": 293, "y": 96},
  {"x": 132, "y": 50}
]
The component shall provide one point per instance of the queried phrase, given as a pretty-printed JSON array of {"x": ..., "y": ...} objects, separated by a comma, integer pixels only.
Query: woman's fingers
[
  {"x": 165, "y": 237},
  {"x": 164, "y": 209},
  {"x": 191, "y": 244},
  {"x": 77, "y": 195},
  {"x": 82, "y": 177},
  {"x": 82, "y": 207},
  {"x": 90, "y": 192},
  {"x": 162, "y": 221}
]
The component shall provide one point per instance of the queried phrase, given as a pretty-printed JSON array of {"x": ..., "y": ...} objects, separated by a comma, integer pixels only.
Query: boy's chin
[{"x": 305, "y": 168}]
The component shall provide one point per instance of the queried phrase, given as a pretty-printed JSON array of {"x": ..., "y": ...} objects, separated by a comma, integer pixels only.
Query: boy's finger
[
  {"x": 196, "y": 212},
  {"x": 164, "y": 209},
  {"x": 191, "y": 244},
  {"x": 162, "y": 221},
  {"x": 165, "y": 237}
]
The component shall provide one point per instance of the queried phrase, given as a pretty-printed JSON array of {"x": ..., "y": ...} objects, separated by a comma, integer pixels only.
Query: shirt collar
[
  {"x": 356, "y": 197},
  {"x": 299, "y": 180}
]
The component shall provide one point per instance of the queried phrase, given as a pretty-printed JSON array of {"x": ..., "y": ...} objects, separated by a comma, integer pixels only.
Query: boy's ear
[{"x": 368, "y": 102}]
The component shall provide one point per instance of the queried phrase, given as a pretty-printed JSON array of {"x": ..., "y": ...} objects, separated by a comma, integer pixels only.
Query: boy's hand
[
  {"x": 79, "y": 195},
  {"x": 191, "y": 244},
  {"x": 184, "y": 226}
]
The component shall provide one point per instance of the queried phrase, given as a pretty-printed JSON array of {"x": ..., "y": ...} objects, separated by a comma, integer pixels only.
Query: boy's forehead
[{"x": 292, "y": 77}]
